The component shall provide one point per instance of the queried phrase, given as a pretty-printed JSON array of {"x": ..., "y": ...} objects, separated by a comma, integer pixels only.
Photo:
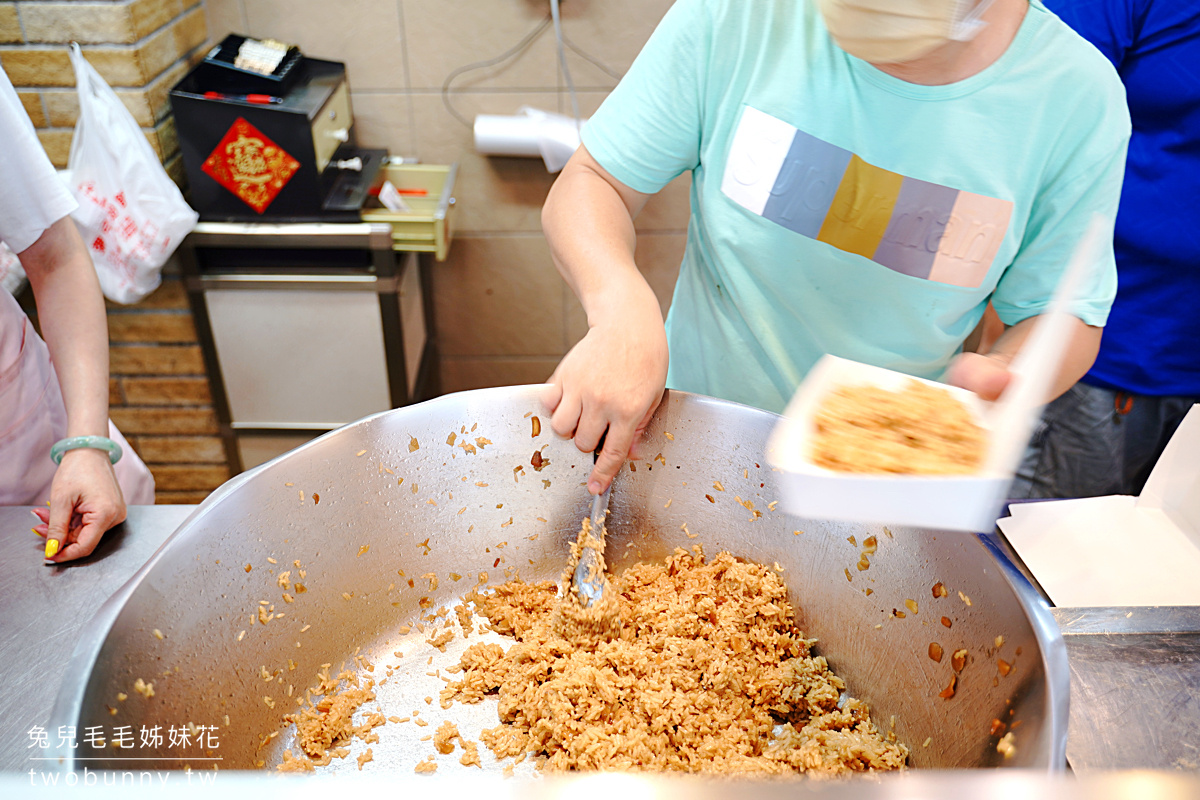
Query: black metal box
[{"x": 256, "y": 157}]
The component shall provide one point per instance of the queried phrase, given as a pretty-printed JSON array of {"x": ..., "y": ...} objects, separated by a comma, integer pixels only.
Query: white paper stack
[{"x": 1121, "y": 550}]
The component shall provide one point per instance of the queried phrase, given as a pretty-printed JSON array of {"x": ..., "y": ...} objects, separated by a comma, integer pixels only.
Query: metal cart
[{"x": 306, "y": 327}]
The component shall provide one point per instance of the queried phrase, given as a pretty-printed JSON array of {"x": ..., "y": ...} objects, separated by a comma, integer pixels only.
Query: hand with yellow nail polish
[
  {"x": 85, "y": 501},
  {"x": 43, "y": 518}
]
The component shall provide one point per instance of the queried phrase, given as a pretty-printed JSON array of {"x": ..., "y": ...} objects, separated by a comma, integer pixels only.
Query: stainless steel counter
[
  {"x": 45, "y": 607},
  {"x": 1135, "y": 687},
  {"x": 1135, "y": 682}
]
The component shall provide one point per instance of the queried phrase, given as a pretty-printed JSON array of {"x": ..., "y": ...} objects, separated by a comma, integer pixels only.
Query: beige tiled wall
[{"x": 504, "y": 315}]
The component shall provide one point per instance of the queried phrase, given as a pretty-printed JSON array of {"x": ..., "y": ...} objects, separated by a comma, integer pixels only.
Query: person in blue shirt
[
  {"x": 1106, "y": 433},
  {"x": 866, "y": 176}
]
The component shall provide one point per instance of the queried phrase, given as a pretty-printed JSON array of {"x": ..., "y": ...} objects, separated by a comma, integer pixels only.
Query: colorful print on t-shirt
[{"x": 827, "y": 193}]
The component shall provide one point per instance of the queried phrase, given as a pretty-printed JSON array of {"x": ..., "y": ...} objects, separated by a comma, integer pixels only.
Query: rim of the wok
[{"x": 69, "y": 701}]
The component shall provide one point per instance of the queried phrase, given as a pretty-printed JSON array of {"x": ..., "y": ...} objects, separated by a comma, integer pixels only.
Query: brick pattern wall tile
[
  {"x": 44, "y": 64},
  {"x": 157, "y": 93},
  {"x": 38, "y": 66},
  {"x": 147, "y": 16},
  {"x": 150, "y": 327},
  {"x": 142, "y": 48},
  {"x": 191, "y": 31},
  {"x": 57, "y": 144},
  {"x": 179, "y": 449},
  {"x": 166, "y": 391},
  {"x": 10, "y": 26},
  {"x": 164, "y": 421},
  {"x": 193, "y": 477},
  {"x": 62, "y": 107},
  {"x": 177, "y": 172},
  {"x": 159, "y": 394},
  {"x": 169, "y": 44},
  {"x": 155, "y": 359},
  {"x": 32, "y": 103},
  {"x": 86, "y": 23},
  {"x": 181, "y": 498},
  {"x": 164, "y": 139},
  {"x": 118, "y": 67},
  {"x": 170, "y": 295}
]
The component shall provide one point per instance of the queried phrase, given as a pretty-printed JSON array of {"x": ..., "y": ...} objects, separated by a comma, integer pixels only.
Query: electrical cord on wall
[
  {"x": 553, "y": 19},
  {"x": 556, "y": 14},
  {"x": 507, "y": 54},
  {"x": 609, "y": 71}
]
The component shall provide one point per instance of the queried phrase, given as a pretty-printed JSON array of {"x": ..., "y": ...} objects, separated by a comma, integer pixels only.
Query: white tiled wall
[{"x": 504, "y": 315}]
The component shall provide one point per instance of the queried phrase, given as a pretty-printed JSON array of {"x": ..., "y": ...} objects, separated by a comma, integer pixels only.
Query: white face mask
[{"x": 887, "y": 31}]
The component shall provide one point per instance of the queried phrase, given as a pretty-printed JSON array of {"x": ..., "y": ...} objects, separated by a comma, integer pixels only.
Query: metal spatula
[{"x": 588, "y": 580}]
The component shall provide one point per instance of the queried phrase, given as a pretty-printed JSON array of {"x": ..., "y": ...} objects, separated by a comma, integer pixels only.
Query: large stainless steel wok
[{"x": 399, "y": 493}]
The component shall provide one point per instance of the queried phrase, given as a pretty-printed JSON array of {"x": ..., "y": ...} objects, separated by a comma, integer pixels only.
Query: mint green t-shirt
[{"x": 836, "y": 209}]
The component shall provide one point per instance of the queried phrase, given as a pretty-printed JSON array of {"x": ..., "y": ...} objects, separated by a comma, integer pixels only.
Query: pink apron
[{"x": 33, "y": 418}]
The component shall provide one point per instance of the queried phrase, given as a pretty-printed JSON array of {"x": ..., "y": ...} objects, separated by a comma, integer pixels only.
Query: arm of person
[
  {"x": 986, "y": 373},
  {"x": 647, "y": 132},
  {"x": 85, "y": 500},
  {"x": 613, "y": 379}
]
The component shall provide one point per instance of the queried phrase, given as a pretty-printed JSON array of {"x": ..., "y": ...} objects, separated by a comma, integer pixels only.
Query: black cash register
[{"x": 267, "y": 134}]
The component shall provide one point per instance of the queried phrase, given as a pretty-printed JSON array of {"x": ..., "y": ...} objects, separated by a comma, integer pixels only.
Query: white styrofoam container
[
  {"x": 957, "y": 502},
  {"x": 954, "y": 502}
]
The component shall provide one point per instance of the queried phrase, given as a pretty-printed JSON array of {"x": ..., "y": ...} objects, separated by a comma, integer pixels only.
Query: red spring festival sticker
[{"x": 249, "y": 164}]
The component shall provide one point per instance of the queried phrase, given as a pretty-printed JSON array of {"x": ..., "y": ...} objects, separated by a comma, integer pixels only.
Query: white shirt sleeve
[{"x": 32, "y": 195}]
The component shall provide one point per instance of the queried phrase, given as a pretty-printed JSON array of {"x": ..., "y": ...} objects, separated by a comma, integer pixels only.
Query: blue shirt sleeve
[{"x": 1110, "y": 25}]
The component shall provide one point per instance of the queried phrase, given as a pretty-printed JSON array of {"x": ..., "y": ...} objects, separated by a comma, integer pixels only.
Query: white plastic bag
[{"x": 131, "y": 215}]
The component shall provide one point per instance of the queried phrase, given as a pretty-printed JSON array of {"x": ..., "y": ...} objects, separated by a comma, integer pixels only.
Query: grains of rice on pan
[
  {"x": 470, "y": 756},
  {"x": 443, "y": 739},
  {"x": 325, "y": 726}
]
